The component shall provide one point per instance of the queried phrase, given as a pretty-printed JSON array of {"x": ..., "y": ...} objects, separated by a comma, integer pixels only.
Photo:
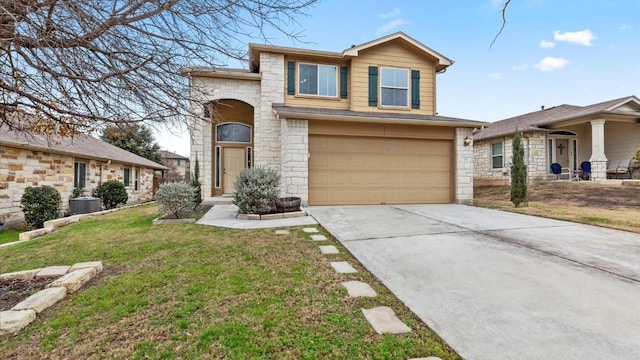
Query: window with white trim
[
  {"x": 319, "y": 80},
  {"x": 79, "y": 174},
  {"x": 394, "y": 87},
  {"x": 127, "y": 176},
  {"x": 496, "y": 156},
  {"x": 136, "y": 179}
]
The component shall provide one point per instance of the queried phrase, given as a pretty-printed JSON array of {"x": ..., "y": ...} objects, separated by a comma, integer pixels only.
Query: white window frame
[
  {"x": 407, "y": 88},
  {"x": 76, "y": 173},
  {"x": 136, "y": 178},
  {"x": 493, "y": 156},
  {"x": 335, "y": 67},
  {"x": 126, "y": 180},
  {"x": 235, "y": 142}
]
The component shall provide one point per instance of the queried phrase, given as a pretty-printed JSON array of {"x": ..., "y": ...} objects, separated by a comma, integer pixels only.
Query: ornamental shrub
[
  {"x": 195, "y": 183},
  {"x": 176, "y": 199},
  {"x": 256, "y": 190},
  {"x": 40, "y": 204},
  {"x": 77, "y": 192},
  {"x": 518, "y": 173},
  {"x": 112, "y": 193}
]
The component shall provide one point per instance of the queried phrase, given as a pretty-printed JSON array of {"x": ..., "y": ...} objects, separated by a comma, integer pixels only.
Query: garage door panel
[{"x": 365, "y": 170}]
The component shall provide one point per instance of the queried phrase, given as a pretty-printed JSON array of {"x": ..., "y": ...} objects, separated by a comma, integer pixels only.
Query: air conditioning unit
[{"x": 84, "y": 205}]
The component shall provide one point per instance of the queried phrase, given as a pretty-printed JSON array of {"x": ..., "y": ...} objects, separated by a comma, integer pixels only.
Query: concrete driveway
[{"x": 497, "y": 285}]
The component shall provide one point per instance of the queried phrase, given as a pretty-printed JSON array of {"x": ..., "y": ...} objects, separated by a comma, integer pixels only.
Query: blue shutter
[
  {"x": 291, "y": 78},
  {"x": 343, "y": 82},
  {"x": 373, "y": 86},
  {"x": 415, "y": 89}
]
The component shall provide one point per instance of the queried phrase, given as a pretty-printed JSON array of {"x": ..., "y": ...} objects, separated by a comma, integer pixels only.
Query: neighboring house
[
  {"x": 565, "y": 134},
  {"x": 64, "y": 163},
  {"x": 351, "y": 127},
  {"x": 179, "y": 167}
]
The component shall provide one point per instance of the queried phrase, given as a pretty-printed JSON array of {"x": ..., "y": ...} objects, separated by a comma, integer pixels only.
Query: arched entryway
[{"x": 232, "y": 138}]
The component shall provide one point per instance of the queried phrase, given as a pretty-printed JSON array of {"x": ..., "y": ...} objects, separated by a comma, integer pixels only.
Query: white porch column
[{"x": 598, "y": 159}]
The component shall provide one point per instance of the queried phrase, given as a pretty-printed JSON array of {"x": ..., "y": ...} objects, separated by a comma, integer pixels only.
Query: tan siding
[
  {"x": 315, "y": 101},
  {"x": 621, "y": 141},
  {"x": 391, "y": 55}
]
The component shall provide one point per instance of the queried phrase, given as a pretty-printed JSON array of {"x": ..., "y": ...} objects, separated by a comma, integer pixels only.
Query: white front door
[{"x": 233, "y": 162}]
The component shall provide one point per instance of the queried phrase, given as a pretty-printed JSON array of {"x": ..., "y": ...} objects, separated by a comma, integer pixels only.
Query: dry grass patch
[
  {"x": 188, "y": 292},
  {"x": 612, "y": 206}
]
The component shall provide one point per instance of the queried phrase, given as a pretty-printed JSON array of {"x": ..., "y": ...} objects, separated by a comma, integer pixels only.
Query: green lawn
[
  {"x": 190, "y": 292},
  {"x": 9, "y": 236}
]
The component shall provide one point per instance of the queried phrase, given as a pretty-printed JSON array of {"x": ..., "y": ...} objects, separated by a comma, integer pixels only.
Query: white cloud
[
  {"x": 624, "y": 27},
  {"x": 583, "y": 37},
  {"x": 519, "y": 67},
  {"x": 550, "y": 63},
  {"x": 393, "y": 13},
  {"x": 391, "y": 25},
  {"x": 547, "y": 44},
  {"x": 495, "y": 76}
]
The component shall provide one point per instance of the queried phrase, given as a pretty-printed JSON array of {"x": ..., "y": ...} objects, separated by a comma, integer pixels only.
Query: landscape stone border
[
  {"x": 286, "y": 215},
  {"x": 68, "y": 279}
]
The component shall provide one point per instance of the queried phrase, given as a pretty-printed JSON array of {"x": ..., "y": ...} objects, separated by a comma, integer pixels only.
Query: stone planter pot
[{"x": 288, "y": 204}]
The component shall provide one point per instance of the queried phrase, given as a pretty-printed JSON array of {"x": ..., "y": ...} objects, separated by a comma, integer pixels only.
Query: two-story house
[
  {"x": 179, "y": 167},
  {"x": 353, "y": 127}
]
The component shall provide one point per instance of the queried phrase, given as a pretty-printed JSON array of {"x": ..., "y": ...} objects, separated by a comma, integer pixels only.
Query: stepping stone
[
  {"x": 384, "y": 320},
  {"x": 74, "y": 280},
  {"x": 20, "y": 275},
  {"x": 282, "y": 232},
  {"x": 359, "y": 289},
  {"x": 42, "y": 299},
  {"x": 52, "y": 271},
  {"x": 343, "y": 267},
  {"x": 89, "y": 264},
  {"x": 310, "y": 230},
  {"x": 329, "y": 249},
  {"x": 12, "y": 321},
  {"x": 318, "y": 237}
]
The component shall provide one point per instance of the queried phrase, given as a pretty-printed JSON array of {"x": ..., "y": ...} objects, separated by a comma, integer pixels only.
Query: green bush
[
  {"x": 112, "y": 193},
  {"x": 256, "y": 190},
  {"x": 518, "y": 173},
  {"x": 77, "y": 192},
  {"x": 40, "y": 204},
  {"x": 195, "y": 183},
  {"x": 176, "y": 199}
]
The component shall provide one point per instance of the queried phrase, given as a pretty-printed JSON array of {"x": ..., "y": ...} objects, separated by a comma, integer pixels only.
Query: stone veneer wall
[
  {"x": 535, "y": 156},
  {"x": 267, "y": 126},
  {"x": 20, "y": 168},
  {"x": 464, "y": 168},
  {"x": 294, "y": 180}
]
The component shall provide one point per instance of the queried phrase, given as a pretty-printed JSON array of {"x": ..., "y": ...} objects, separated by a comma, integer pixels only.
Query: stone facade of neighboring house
[
  {"x": 606, "y": 134},
  {"x": 65, "y": 163},
  {"x": 353, "y": 127},
  {"x": 179, "y": 167}
]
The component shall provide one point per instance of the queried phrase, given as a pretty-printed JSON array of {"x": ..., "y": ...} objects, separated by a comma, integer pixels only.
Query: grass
[
  {"x": 9, "y": 236},
  {"x": 612, "y": 206},
  {"x": 188, "y": 291}
]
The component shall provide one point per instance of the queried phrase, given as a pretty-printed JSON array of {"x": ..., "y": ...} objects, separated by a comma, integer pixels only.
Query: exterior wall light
[{"x": 467, "y": 141}]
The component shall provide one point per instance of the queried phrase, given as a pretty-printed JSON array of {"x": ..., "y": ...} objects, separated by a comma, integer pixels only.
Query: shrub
[
  {"x": 112, "y": 193},
  {"x": 256, "y": 190},
  {"x": 77, "y": 192},
  {"x": 176, "y": 198},
  {"x": 40, "y": 204},
  {"x": 195, "y": 183},
  {"x": 518, "y": 173}
]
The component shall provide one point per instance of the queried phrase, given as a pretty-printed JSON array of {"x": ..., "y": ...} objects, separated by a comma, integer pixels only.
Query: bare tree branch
[
  {"x": 80, "y": 65},
  {"x": 504, "y": 22}
]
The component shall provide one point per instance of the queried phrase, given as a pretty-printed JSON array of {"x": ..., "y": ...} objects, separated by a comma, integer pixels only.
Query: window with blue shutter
[
  {"x": 291, "y": 78},
  {"x": 343, "y": 82}
]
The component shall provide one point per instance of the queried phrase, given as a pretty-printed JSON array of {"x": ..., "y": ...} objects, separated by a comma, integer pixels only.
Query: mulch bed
[{"x": 14, "y": 291}]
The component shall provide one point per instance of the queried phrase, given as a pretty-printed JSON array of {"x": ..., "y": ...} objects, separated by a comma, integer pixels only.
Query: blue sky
[{"x": 551, "y": 52}]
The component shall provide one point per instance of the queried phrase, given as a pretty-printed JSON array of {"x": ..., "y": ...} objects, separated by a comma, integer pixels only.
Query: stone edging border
[
  {"x": 51, "y": 225},
  {"x": 285, "y": 215},
  {"x": 69, "y": 280}
]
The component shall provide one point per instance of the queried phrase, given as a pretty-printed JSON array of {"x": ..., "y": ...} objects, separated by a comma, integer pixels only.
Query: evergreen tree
[
  {"x": 518, "y": 173},
  {"x": 134, "y": 138}
]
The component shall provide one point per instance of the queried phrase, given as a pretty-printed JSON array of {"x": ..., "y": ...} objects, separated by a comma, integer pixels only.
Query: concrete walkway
[
  {"x": 499, "y": 285},
  {"x": 225, "y": 216}
]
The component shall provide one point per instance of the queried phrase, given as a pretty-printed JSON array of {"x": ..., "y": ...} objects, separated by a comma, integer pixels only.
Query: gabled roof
[
  {"x": 443, "y": 61},
  {"x": 536, "y": 121},
  {"x": 80, "y": 145},
  {"x": 170, "y": 155}
]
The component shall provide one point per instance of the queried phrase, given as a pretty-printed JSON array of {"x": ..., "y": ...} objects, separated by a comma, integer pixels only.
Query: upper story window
[
  {"x": 233, "y": 132},
  {"x": 319, "y": 80},
  {"x": 496, "y": 156},
  {"x": 181, "y": 162},
  {"x": 394, "y": 87}
]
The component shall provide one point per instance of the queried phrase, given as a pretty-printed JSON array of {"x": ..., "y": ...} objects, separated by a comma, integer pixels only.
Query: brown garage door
[{"x": 372, "y": 170}]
